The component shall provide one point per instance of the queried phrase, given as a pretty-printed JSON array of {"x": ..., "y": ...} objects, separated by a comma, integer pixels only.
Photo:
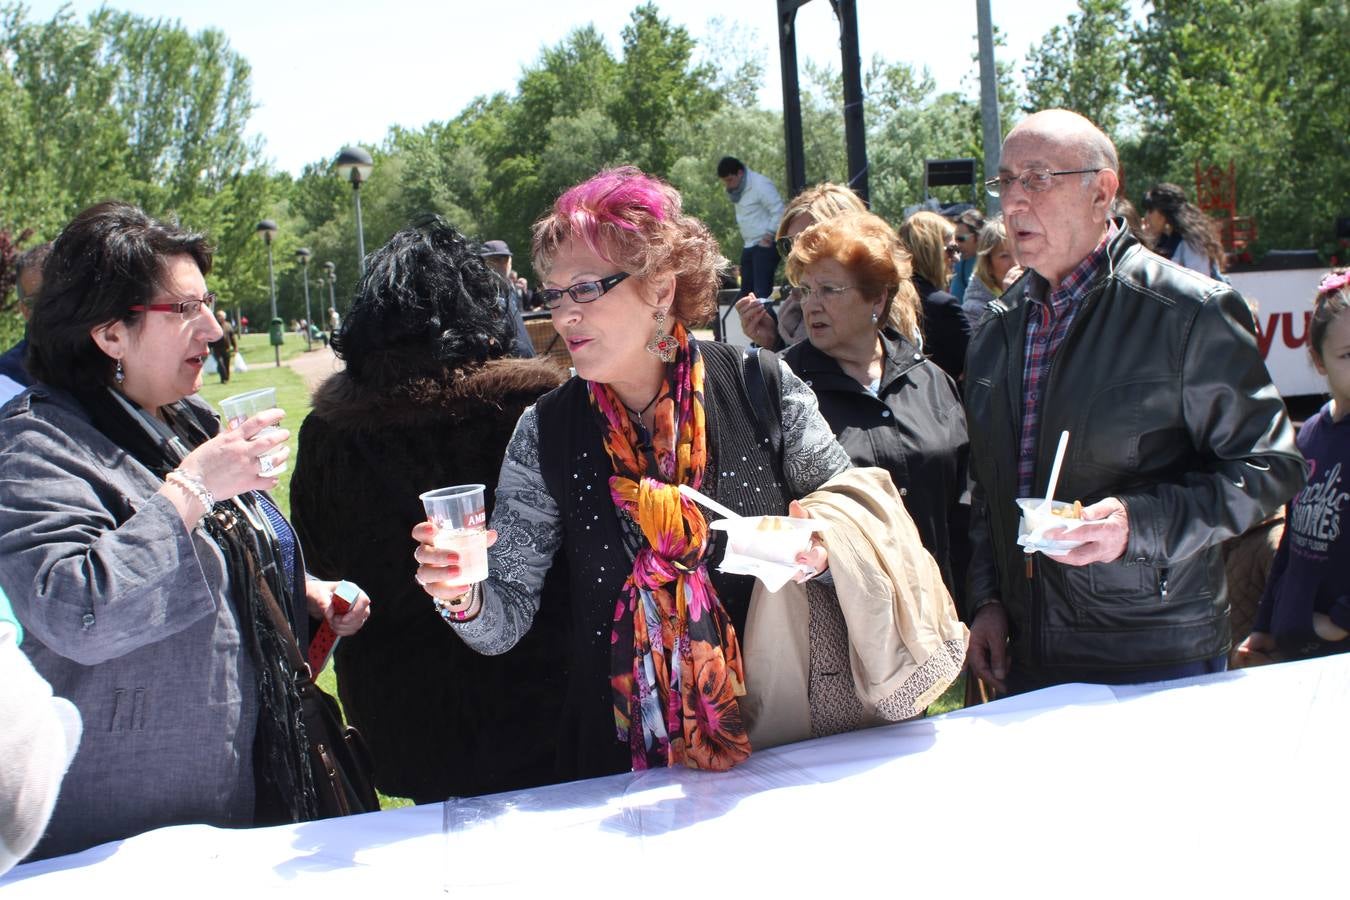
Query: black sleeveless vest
[{"x": 744, "y": 472}]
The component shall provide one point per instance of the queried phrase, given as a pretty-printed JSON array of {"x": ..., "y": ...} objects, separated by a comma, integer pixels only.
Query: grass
[
  {"x": 257, "y": 350},
  {"x": 952, "y": 698}
]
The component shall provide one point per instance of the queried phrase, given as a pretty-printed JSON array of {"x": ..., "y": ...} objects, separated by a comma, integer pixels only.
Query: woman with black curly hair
[
  {"x": 1181, "y": 231},
  {"x": 429, "y": 397}
]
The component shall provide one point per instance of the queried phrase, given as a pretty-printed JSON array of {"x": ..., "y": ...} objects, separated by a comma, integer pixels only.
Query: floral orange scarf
[{"x": 676, "y": 669}]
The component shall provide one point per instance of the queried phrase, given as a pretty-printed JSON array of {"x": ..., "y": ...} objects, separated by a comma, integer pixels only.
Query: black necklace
[{"x": 640, "y": 412}]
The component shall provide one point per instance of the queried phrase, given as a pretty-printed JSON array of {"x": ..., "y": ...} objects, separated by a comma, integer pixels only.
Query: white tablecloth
[{"x": 1229, "y": 783}]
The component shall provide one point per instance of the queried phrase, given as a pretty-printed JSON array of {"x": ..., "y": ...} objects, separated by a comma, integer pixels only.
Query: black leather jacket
[{"x": 1170, "y": 409}]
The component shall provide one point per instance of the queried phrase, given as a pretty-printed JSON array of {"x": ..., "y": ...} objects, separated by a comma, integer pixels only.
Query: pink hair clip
[{"x": 1334, "y": 282}]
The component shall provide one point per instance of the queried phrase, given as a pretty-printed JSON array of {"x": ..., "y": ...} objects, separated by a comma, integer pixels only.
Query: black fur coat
[{"x": 440, "y": 719}]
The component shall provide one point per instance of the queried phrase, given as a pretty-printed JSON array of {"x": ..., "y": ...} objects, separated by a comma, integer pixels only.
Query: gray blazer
[{"x": 127, "y": 615}]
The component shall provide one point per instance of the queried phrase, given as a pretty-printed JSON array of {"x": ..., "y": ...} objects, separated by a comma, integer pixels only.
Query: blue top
[
  {"x": 1311, "y": 572},
  {"x": 965, "y": 270},
  {"x": 12, "y": 363}
]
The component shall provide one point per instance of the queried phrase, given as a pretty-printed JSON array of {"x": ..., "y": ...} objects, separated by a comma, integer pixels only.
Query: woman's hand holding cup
[
  {"x": 439, "y": 570},
  {"x": 233, "y": 462}
]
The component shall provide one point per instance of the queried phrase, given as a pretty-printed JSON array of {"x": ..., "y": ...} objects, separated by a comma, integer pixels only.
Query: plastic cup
[
  {"x": 460, "y": 518},
  {"x": 235, "y": 410}
]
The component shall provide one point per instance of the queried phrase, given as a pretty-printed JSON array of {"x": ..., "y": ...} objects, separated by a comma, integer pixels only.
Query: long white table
[{"x": 1207, "y": 787}]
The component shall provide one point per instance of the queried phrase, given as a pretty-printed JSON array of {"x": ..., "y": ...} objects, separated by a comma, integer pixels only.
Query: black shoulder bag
[{"x": 338, "y": 757}]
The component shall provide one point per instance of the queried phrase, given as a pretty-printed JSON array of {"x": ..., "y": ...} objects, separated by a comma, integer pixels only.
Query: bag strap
[
  {"x": 299, "y": 665},
  {"x": 764, "y": 384}
]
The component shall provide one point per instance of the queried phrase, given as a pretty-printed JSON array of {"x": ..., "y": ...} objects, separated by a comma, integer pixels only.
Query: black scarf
[{"x": 285, "y": 781}]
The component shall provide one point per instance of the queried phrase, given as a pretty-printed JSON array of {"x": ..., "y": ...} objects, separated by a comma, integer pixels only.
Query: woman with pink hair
[{"x": 592, "y": 477}]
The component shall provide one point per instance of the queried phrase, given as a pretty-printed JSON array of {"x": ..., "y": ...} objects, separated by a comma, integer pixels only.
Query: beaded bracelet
[
  {"x": 194, "y": 486},
  {"x": 458, "y": 617}
]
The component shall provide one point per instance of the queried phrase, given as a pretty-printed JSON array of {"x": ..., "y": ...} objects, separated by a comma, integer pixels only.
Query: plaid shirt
[{"x": 1048, "y": 322}]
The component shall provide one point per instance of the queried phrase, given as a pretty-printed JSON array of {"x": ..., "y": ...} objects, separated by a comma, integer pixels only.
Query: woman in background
[
  {"x": 968, "y": 226},
  {"x": 994, "y": 262},
  {"x": 888, "y": 405},
  {"x": 946, "y": 331},
  {"x": 1180, "y": 230},
  {"x": 428, "y": 398},
  {"x": 815, "y": 204}
]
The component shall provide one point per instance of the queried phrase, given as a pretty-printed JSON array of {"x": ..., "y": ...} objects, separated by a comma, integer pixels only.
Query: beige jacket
[{"x": 879, "y": 645}]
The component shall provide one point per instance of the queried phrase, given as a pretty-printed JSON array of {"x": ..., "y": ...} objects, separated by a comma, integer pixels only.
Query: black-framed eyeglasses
[
  {"x": 785, "y": 245},
  {"x": 581, "y": 292},
  {"x": 1033, "y": 181},
  {"x": 188, "y": 309}
]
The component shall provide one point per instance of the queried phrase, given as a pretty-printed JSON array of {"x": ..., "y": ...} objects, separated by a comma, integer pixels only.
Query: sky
[{"x": 342, "y": 72}]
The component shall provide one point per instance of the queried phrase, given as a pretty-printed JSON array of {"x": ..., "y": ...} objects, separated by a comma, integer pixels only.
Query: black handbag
[
  {"x": 343, "y": 771},
  {"x": 338, "y": 757}
]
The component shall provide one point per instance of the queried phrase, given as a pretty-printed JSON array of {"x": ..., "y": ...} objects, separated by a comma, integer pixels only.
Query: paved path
[{"x": 315, "y": 365}]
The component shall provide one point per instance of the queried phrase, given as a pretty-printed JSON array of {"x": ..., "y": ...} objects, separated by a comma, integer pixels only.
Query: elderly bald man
[{"x": 1178, "y": 438}]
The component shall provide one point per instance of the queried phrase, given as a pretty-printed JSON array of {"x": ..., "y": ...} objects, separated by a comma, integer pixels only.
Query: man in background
[
  {"x": 224, "y": 349},
  {"x": 14, "y": 377},
  {"x": 758, "y": 209},
  {"x": 497, "y": 255}
]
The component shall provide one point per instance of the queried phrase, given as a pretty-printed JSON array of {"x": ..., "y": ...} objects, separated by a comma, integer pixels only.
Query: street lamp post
[
  {"x": 355, "y": 165},
  {"x": 267, "y": 228},
  {"x": 331, "y": 269},
  {"x": 303, "y": 255}
]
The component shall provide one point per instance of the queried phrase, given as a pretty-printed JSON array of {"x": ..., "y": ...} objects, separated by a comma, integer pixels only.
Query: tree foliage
[
  {"x": 120, "y": 105},
  {"x": 1080, "y": 65},
  {"x": 134, "y": 108}
]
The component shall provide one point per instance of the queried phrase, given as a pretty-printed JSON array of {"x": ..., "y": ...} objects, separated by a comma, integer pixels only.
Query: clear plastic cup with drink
[
  {"x": 235, "y": 410},
  {"x": 460, "y": 518}
]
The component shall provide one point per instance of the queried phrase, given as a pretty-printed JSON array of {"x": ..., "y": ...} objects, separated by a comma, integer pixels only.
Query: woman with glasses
[
  {"x": 928, "y": 238},
  {"x": 592, "y": 475},
  {"x": 968, "y": 225},
  {"x": 428, "y": 396},
  {"x": 815, "y": 204},
  {"x": 888, "y": 405},
  {"x": 141, "y": 553}
]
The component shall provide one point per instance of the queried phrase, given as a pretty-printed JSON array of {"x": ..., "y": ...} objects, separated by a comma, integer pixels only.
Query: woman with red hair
[{"x": 593, "y": 472}]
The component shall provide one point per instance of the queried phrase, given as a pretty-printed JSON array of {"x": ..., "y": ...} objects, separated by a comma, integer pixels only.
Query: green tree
[
  {"x": 136, "y": 109},
  {"x": 1080, "y": 65},
  {"x": 1256, "y": 83}
]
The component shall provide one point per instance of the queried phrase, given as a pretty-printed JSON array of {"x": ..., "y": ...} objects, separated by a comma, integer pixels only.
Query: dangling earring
[
  {"x": 874, "y": 318},
  {"x": 119, "y": 374},
  {"x": 663, "y": 344}
]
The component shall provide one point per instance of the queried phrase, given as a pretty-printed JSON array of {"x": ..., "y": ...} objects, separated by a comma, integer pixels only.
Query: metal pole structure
[
  {"x": 993, "y": 138},
  {"x": 855, "y": 135},
  {"x": 360, "y": 231},
  {"x": 267, "y": 228},
  {"x": 304, "y": 254},
  {"x": 794, "y": 154},
  {"x": 272, "y": 279}
]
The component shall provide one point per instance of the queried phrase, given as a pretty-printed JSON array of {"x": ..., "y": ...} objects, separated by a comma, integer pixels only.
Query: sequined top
[{"x": 529, "y": 527}]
